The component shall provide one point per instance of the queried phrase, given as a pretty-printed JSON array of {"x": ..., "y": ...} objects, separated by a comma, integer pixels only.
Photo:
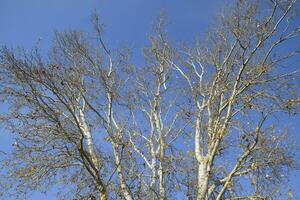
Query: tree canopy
[{"x": 195, "y": 121}]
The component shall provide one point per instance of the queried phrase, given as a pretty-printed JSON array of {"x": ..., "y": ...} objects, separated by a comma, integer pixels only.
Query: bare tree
[
  {"x": 156, "y": 118},
  {"x": 199, "y": 121},
  {"x": 237, "y": 81},
  {"x": 56, "y": 110}
]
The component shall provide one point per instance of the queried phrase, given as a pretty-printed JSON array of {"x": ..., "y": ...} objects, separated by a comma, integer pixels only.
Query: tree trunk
[
  {"x": 124, "y": 187},
  {"x": 103, "y": 195},
  {"x": 90, "y": 149},
  {"x": 161, "y": 171},
  {"x": 153, "y": 175},
  {"x": 203, "y": 176},
  {"x": 88, "y": 138}
]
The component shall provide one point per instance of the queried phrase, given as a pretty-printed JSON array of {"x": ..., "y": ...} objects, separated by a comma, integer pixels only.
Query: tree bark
[
  {"x": 103, "y": 195},
  {"x": 126, "y": 194},
  {"x": 203, "y": 177},
  {"x": 161, "y": 171},
  {"x": 153, "y": 173},
  {"x": 88, "y": 138}
]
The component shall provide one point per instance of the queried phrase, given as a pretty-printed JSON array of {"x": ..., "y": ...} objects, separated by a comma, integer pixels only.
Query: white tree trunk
[
  {"x": 153, "y": 173},
  {"x": 161, "y": 172},
  {"x": 88, "y": 139},
  {"x": 90, "y": 149},
  {"x": 203, "y": 177},
  {"x": 203, "y": 173},
  {"x": 124, "y": 188}
]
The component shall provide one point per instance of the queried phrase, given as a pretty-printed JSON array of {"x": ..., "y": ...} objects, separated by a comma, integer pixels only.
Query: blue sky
[{"x": 127, "y": 23}]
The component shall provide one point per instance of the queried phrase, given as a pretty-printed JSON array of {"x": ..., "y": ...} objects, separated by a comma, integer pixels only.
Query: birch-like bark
[
  {"x": 161, "y": 171},
  {"x": 203, "y": 173},
  {"x": 90, "y": 149},
  {"x": 203, "y": 177},
  {"x": 126, "y": 194},
  {"x": 153, "y": 167},
  {"x": 161, "y": 137},
  {"x": 88, "y": 138},
  {"x": 117, "y": 138}
]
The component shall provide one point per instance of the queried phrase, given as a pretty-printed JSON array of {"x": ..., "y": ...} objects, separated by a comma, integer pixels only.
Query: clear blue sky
[{"x": 127, "y": 23}]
